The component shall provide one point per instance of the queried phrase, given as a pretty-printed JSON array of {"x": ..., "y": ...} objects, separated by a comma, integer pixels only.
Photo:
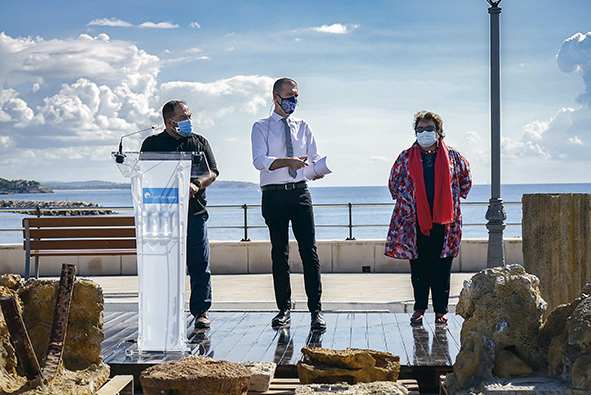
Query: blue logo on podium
[{"x": 161, "y": 195}]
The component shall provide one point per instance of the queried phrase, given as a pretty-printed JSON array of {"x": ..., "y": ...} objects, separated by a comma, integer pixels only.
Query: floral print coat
[{"x": 401, "y": 242}]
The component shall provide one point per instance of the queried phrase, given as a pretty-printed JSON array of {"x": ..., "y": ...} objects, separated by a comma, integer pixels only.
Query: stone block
[
  {"x": 556, "y": 231},
  {"x": 472, "y": 256},
  {"x": 325, "y": 255},
  {"x": 261, "y": 374},
  {"x": 103, "y": 265},
  {"x": 259, "y": 256},
  {"x": 375, "y": 388},
  {"x": 184, "y": 376},
  {"x": 507, "y": 364},
  {"x": 229, "y": 258},
  {"x": 321, "y": 365},
  {"x": 350, "y": 256}
]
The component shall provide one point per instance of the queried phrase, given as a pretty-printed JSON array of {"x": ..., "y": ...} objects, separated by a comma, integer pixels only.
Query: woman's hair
[{"x": 429, "y": 116}]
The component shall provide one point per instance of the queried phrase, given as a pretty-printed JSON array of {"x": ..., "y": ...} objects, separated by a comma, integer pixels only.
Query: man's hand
[
  {"x": 294, "y": 163},
  {"x": 193, "y": 189}
]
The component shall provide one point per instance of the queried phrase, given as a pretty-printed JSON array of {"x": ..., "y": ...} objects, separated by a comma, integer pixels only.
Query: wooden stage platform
[{"x": 425, "y": 351}]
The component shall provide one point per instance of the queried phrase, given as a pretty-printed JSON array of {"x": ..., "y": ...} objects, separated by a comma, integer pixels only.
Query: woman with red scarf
[{"x": 427, "y": 181}]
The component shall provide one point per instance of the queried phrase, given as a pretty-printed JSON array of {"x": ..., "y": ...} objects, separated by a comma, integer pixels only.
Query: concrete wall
[
  {"x": 557, "y": 243},
  {"x": 228, "y": 257}
]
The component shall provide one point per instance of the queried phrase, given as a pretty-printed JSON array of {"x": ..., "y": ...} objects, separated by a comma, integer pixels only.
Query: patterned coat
[{"x": 401, "y": 242}]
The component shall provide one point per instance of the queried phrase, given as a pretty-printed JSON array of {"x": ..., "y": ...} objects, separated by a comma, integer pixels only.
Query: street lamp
[{"x": 496, "y": 212}]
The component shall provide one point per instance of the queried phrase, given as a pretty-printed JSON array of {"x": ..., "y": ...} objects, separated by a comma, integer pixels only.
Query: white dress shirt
[{"x": 268, "y": 144}]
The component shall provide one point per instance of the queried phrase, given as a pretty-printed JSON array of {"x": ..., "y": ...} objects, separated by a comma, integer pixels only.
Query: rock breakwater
[{"x": 54, "y": 208}]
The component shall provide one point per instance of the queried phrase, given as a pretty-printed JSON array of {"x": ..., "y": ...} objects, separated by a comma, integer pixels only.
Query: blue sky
[{"x": 77, "y": 75}]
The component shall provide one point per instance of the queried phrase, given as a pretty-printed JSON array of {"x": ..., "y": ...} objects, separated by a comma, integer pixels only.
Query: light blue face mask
[
  {"x": 184, "y": 128},
  {"x": 289, "y": 105},
  {"x": 427, "y": 139}
]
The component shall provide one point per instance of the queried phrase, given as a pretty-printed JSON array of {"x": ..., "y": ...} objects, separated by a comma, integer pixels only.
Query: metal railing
[{"x": 245, "y": 207}]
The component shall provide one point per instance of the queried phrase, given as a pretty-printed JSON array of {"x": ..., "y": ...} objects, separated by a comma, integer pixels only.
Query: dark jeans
[
  {"x": 278, "y": 208},
  {"x": 430, "y": 272},
  {"x": 198, "y": 263}
]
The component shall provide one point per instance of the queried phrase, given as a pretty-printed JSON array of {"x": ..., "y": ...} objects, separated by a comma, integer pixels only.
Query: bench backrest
[{"x": 79, "y": 233}]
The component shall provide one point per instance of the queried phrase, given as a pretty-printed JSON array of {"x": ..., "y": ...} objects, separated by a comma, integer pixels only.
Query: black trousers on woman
[
  {"x": 279, "y": 207},
  {"x": 430, "y": 272}
]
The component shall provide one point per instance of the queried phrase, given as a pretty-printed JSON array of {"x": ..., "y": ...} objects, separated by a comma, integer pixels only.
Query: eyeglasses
[{"x": 421, "y": 129}]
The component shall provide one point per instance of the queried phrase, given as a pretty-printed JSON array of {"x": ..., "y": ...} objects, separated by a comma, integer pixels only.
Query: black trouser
[
  {"x": 430, "y": 272},
  {"x": 278, "y": 208}
]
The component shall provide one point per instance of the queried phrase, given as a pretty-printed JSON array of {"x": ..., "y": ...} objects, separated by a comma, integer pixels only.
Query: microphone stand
[{"x": 120, "y": 156}]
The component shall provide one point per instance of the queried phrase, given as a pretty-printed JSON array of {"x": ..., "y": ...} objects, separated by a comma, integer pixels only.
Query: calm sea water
[{"x": 329, "y": 209}]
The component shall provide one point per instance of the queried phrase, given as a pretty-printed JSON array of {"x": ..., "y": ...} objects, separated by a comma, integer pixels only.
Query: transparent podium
[{"x": 160, "y": 189}]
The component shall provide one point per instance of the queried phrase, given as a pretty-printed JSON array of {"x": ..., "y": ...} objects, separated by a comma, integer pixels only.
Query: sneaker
[
  {"x": 317, "y": 321},
  {"x": 282, "y": 318},
  {"x": 202, "y": 320}
]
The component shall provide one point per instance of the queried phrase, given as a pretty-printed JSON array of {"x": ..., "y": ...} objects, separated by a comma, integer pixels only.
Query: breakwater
[{"x": 53, "y": 208}]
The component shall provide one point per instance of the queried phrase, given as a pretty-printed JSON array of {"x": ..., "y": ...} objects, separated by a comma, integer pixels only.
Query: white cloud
[
  {"x": 109, "y": 22},
  {"x": 336, "y": 28},
  {"x": 211, "y": 101},
  {"x": 161, "y": 25},
  {"x": 575, "y": 57},
  {"x": 195, "y": 25}
]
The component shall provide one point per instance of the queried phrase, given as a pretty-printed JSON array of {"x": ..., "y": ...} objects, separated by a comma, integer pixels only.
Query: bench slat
[
  {"x": 90, "y": 221},
  {"x": 83, "y": 244},
  {"x": 83, "y": 252},
  {"x": 81, "y": 233}
]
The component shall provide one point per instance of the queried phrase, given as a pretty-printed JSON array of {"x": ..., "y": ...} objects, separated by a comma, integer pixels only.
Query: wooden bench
[{"x": 74, "y": 236}]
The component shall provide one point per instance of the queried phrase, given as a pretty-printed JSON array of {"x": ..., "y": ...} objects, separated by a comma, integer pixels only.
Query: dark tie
[{"x": 289, "y": 146}]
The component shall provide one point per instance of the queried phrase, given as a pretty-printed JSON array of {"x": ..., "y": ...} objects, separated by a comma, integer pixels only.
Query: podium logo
[{"x": 161, "y": 195}]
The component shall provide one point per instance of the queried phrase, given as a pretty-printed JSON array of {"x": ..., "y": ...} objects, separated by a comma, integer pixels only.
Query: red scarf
[{"x": 442, "y": 200}]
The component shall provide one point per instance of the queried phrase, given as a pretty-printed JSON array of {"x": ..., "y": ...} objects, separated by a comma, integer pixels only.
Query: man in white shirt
[{"x": 281, "y": 147}]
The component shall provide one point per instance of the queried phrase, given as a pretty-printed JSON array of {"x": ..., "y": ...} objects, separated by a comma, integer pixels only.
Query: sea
[{"x": 369, "y": 214}]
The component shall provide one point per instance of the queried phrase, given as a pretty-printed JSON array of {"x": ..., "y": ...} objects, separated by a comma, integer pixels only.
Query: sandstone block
[
  {"x": 261, "y": 374},
  {"x": 504, "y": 305},
  {"x": 507, "y": 364},
  {"x": 196, "y": 374},
  {"x": 321, "y": 365},
  {"x": 375, "y": 388}
]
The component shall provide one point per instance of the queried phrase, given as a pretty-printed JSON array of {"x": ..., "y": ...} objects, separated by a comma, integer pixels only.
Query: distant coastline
[
  {"x": 11, "y": 187},
  {"x": 83, "y": 185}
]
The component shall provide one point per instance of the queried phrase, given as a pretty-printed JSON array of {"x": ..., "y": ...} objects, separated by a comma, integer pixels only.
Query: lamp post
[{"x": 496, "y": 212}]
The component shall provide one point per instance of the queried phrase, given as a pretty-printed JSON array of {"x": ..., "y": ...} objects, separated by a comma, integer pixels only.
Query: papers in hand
[{"x": 318, "y": 168}]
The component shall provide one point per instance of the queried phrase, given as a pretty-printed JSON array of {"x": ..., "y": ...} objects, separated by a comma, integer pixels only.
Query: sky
[{"x": 76, "y": 76}]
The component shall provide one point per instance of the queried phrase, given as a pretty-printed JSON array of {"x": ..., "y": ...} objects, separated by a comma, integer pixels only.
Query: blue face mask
[
  {"x": 289, "y": 105},
  {"x": 184, "y": 128}
]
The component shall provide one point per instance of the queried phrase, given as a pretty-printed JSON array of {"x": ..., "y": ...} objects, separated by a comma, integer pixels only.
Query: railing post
[
  {"x": 350, "y": 222},
  {"x": 37, "y": 211},
  {"x": 245, "y": 208}
]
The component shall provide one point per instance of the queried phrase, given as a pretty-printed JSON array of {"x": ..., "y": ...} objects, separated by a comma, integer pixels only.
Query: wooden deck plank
[
  {"x": 255, "y": 329},
  {"x": 298, "y": 333},
  {"x": 342, "y": 334},
  {"x": 376, "y": 337},
  {"x": 359, "y": 331},
  {"x": 395, "y": 343}
]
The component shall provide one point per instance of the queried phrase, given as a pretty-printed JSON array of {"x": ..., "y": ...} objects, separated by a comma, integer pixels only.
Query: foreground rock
[
  {"x": 322, "y": 365},
  {"x": 82, "y": 371},
  {"x": 375, "y": 388},
  {"x": 261, "y": 374},
  {"x": 184, "y": 376},
  {"x": 505, "y": 349}
]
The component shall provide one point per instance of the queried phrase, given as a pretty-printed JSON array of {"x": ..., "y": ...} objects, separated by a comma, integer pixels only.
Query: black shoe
[
  {"x": 317, "y": 321},
  {"x": 202, "y": 320},
  {"x": 283, "y": 318}
]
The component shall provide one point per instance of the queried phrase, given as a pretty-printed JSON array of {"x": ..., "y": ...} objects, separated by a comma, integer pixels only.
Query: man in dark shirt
[{"x": 178, "y": 137}]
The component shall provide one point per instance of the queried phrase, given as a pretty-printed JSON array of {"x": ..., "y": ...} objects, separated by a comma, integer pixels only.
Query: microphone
[{"x": 119, "y": 155}]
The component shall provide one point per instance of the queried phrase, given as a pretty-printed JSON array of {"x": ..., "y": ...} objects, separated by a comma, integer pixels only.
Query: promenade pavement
[{"x": 246, "y": 292}]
